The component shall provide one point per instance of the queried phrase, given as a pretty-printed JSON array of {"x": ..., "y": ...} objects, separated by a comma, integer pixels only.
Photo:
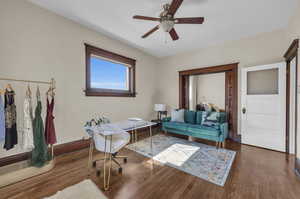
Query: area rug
[
  {"x": 203, "y": 161},
  {"x": 83, "y": 190}
]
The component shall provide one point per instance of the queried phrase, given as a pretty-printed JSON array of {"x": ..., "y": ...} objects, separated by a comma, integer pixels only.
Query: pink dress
[{"x": 49, "y": 126}]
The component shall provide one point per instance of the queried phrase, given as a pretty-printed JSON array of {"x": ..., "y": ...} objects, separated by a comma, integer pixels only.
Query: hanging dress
[
  {"x": 28, "y": 129},
  {"x": 11, "y": 135},
  {"x": 50, "y": 129},
  {"x": 40, "y": 152},
  {"x": 2, "y": 120}
]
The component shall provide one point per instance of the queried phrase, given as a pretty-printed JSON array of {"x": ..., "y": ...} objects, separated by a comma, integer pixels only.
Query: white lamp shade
[{"x": 160, "y": 107}]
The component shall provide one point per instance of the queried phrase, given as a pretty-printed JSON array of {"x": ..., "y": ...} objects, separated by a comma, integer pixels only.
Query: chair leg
[{"x": 115, "y": 161}]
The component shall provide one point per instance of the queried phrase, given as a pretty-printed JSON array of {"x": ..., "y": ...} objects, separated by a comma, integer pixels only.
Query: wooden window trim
[{"x": 92, "y": 50}]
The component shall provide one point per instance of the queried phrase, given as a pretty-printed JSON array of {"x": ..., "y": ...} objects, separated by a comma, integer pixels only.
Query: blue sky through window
[{"x": 108, "y": 75}]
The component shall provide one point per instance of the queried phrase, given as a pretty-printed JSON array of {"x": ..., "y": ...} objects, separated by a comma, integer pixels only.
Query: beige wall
[
  {"x": 37, "y": 44},
  {"x": 207, "y": 88},
  {"x": 262, "y": 49},
  {"x": 211, "y": 89}
]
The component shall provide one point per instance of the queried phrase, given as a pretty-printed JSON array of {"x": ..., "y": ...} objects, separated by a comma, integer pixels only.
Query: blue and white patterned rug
[{"x": 201, "y": 160}]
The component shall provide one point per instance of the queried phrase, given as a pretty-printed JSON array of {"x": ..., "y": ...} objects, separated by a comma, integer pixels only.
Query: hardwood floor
[{"x": 255, "y": 173}]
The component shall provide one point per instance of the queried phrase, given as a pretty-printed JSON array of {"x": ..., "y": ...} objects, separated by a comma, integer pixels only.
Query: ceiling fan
[{"x": 167, "y": 20}]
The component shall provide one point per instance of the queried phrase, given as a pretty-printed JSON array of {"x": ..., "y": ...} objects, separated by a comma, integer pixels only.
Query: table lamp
[{"x": 160, "y": 109}]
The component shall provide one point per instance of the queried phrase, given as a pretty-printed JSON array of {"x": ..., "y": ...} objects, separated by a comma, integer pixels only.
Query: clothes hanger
[
  {"x": 50, "y": 92},
  {"x": 38, "y": 93},
  {"x": 28, "y": 92},
  {"x": 9, "y": 87}
]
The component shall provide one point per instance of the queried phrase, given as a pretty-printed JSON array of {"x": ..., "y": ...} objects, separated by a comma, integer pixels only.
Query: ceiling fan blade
[
  {"x": 150, "y": 32},
  {"x": 190, "y": 20},
  {"x": 146, "y": 18},
  {"x": 174, "y": 34},
  {"x": 174, "y": 6}
]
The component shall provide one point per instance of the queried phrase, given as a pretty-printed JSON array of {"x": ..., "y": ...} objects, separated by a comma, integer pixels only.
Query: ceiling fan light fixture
[{"x": 167, "y": 25}]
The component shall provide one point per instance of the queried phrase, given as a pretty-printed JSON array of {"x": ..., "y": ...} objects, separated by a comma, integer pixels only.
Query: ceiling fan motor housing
[
  {"x": 166, "y": 25},
  {"x": 166, "y": 20}
]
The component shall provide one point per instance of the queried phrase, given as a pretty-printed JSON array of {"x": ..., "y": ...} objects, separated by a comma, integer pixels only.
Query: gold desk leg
[
  {"x": 106, "y": 182},
  {"x": 136, "y": 136},
  {"x": 91, "y": 149},
  {"x": 52, "y": 151},
  {"x": 151, "y": 144},
  {"x": 151, "y": 147}
]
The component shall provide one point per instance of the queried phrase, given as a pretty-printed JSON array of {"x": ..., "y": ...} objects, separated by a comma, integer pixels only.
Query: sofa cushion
[
  {"x": 190, "y": 117},
  {"x": 203, "y": 130},
  {"x": 176, "y": 125},
  {"x": 217, "y": 127}
]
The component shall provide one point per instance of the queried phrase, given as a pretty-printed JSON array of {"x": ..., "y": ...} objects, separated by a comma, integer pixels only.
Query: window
[
  {"x": 109, "y": 74},
  {"x": 262, "y": 82}
]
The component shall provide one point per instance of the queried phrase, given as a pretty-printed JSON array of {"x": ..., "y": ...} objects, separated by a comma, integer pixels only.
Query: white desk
[{"x": 129, "y": 125}]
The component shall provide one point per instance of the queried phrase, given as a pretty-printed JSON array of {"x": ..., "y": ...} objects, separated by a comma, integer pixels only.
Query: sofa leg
[
  {"x": 224, "y": 144},
  {"x": 190, "y": 138}
]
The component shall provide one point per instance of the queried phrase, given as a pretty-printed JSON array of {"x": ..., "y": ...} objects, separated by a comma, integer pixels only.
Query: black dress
[{"x": 11, "y": 135}]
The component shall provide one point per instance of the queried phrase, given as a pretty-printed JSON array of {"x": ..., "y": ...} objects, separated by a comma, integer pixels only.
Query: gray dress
[{"x": 2, "y": 120}]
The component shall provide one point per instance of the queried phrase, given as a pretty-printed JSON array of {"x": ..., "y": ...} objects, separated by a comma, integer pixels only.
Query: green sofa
[{"x": 192, "y": 127}]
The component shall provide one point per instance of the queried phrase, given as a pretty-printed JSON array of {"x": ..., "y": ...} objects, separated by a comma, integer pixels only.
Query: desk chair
[{"x": 110, "y": 144}]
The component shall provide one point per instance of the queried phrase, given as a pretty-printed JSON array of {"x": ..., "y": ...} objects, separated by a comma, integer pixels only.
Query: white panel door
[{"x": 263, "y": 106}]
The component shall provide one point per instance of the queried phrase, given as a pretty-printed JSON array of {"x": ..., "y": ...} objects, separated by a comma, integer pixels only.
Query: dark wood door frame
[
  {"x": 231, "y": 92},
  {"x": 291, "y": 53}
]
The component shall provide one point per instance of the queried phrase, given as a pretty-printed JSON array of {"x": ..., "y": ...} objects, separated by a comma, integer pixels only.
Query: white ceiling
[{"x": 225, "y": 20}]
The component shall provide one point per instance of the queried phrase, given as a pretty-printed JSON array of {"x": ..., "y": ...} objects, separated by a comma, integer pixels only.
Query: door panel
[{"x": 263, "y": 122}]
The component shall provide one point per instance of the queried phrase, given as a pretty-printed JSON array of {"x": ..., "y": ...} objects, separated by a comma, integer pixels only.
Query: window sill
[{"x": 91, "y": 93}]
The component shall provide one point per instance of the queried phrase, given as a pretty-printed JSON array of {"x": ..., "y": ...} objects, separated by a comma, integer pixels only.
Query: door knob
[{"x": 244, "y": 110}]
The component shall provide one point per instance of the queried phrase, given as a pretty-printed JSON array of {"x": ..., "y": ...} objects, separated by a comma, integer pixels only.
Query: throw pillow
[
  {"x": 204, "y": 116},
  {"x": 211, "y": 120},
  {"x": 177, "y": 115},
  {"x": 207, "y": 107},
  {"x": 214, "y": 116},
  {"x": 190, "y": 117},
  {"x": 215, "y": 108}
]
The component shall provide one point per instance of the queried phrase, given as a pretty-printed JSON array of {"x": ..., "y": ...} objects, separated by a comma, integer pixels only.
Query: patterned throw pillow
[
  {"x": 214, "y": 116},
  {"x": 211, "y": 119}
]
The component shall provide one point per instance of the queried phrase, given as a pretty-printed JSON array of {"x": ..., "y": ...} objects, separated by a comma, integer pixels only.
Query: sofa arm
[
  {"x": 166, "y": 119},
  {"x": 224, "y": 131}
]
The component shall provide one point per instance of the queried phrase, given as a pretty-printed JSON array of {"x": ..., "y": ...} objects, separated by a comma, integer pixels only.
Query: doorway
[
  {"x": 293, "y": 108},
  {"x": 231, "y": 92}
]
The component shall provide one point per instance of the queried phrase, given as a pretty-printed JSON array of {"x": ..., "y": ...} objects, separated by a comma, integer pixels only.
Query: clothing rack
[
  {"x": 52, "y": 81},
  {"x": 29, "y": 172}
]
